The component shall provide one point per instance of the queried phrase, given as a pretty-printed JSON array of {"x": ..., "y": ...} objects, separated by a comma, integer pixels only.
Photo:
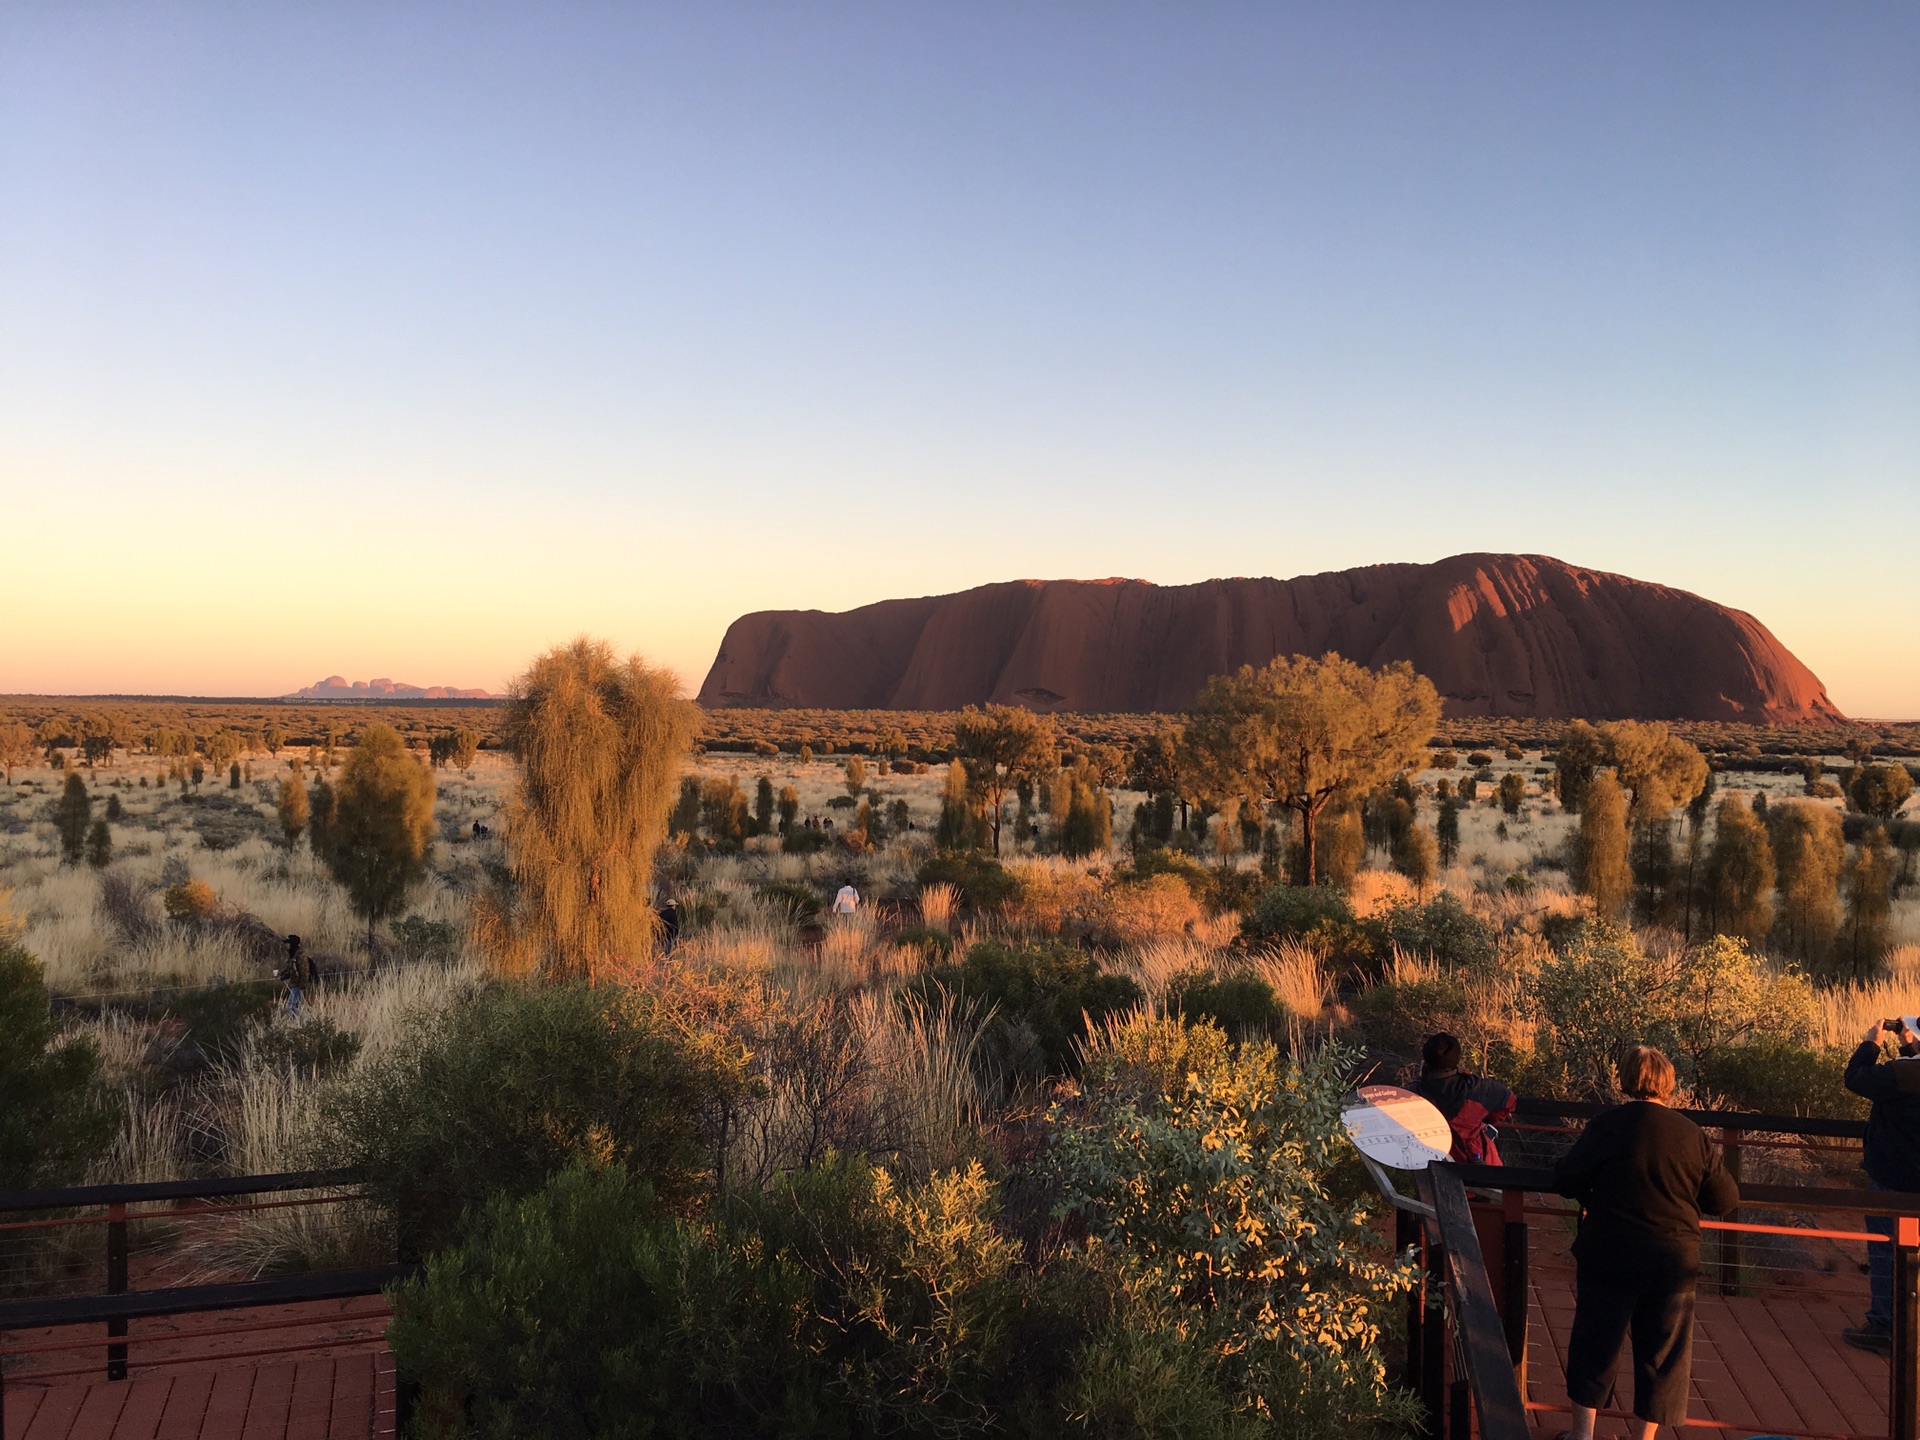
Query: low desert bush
[
  {"x": 1042, "y": 996},
  {"x": 984, "y": 883},
  {"x": 838, "y": 1302},
  {"x": 57, "y": 1116},
  {"x": 1241, "y": 1004},
  {"x": 1222, "y": 1172},
  {"x": 502, "y": 1089}
]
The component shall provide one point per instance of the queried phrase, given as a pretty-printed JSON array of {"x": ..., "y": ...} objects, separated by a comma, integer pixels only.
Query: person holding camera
[
  {"x": 1643, "y": 1176},
  {"x": 1892, "y": 1159}
]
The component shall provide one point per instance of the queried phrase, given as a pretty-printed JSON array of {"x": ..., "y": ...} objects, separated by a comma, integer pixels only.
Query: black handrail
[
  {"x": 75, "y": 1196},
  {"x": 193, "y": 1299},
  {"x": 1811, "y": 1125},
  {"x": 1778, "y": 1197},
  {"x": 1479, "y": 1332}
]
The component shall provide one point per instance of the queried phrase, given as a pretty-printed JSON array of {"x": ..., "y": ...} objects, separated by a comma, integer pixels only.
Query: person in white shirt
[{"x": 847, "y": 901}]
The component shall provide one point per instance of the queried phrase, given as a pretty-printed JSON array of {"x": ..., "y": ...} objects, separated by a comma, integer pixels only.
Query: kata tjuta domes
[{"x": 1506, "y": 635}]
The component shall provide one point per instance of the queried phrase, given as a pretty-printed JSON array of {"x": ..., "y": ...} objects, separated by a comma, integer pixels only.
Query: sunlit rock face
[{"x": 1506, "y": 635}]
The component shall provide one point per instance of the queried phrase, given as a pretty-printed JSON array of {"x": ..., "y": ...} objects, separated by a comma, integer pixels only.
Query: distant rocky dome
[
  {"x": 1499, "y": 635},
  {"x": 337, "y": 687}
]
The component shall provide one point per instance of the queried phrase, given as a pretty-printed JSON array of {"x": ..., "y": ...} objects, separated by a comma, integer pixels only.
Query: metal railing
[{"x": 1467, "y": 1319}]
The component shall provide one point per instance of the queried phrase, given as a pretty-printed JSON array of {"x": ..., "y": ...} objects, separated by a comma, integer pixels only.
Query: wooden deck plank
[
  {"x": 227, "y": 1405},
  {"x": 1773, "y": 1360},
  {"x": 268, "y": 1402},
  {"x": 146, "y": 1404},
  {"x": 22, "y": 1405},
  {"x": 311, "y": 1404},
  {"x": 100, "y": 1413},
  {"x": 186, "y": 1406},
  {"x": 58, "y": 1409},
  {"x": 351, "y": 1417}
]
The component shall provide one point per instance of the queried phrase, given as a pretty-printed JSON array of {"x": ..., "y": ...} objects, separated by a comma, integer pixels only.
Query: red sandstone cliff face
[{"x": 1520, "y": 635}]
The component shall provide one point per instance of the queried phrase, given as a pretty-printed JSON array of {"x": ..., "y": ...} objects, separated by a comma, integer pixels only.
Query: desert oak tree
[{"x": 1304, "y": 734}]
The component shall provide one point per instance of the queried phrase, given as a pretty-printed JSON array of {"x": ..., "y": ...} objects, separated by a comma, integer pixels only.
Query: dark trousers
[{"x": 1661, "y": 1320}]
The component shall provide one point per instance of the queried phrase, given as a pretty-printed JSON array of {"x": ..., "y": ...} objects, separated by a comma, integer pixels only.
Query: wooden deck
[
  {"x": 1772, "y": 1363},
  {"x": 315, "y": 1371},
  {"x": 331, "y": 1398}
]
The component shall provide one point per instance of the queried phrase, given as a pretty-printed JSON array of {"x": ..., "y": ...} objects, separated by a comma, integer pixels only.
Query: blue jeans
[{"x": 1880, "y": 1269}]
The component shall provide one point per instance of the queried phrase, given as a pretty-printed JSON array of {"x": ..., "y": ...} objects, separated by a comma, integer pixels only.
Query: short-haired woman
[{"x": 1643, "y": 1176}]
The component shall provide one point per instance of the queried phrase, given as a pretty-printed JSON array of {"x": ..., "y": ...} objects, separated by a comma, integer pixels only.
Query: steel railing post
[
  {"x": 1903, "y": 1400},
  {"x": 1433, "y": 1348},
  {"x": 117, "y": 1284},
  {"x": 1516, "y": 1286},
  {"x": 1730, "y": 1246},
  {"x": 1406, "y": 1236}
]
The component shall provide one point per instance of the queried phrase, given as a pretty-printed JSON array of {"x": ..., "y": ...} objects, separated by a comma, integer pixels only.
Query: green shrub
[
  {"x": 1239, "y": 1004},
  {"x": 804, "y": 842},
  {"x": 1441, "y": 930},
  {"x": 1318, "y": 915},
  {"x": 981, "y": 880},
  {"x": 419, "y": 939},
  {"x": 1776, "y": 1075},
  {"x": 1042, "y": 995},
  {"x": 219, "y": 1018},
  {"x": 56, "y": 1115},
  {"x": 1223, "y": 1173},
  {"x": 798, "y": 900},
  {"x": 838, "y": 1303},
  {"x": 315, "y": 1046},
  {"x": 937, "y": 944},
  {"x": 498, "y": 1093}
]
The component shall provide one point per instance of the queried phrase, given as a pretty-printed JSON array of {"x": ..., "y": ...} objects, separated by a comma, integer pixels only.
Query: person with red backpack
[{"x": 1471, "y": 1103}]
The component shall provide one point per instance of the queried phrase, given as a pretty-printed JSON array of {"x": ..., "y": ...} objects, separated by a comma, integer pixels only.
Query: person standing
[
  {"x": 847, "y": 901},
  {"x": 669, "y": 915},
  {"x": 1643, "y": 1176},
  {"x": 1892, "y": 1161},
  {"x": 1471, "y": 1103}
]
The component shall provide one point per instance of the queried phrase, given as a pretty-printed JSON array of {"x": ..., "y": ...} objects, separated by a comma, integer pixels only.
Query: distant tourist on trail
[
  {"x": 1643, "y": 1176},
  {"x": 1892, "y": 1160},
  {"x": 669, "y": 926},
  {"x": 847, "y": 901},
  {"x": 1472, "y": 1104}
]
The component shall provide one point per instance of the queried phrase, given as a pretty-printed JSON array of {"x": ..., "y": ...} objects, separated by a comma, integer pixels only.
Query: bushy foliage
[
  {"x": 1042, "y": 997},
  {"x": 503, "y": 1090},
  {"x": 1221, "y": 1174},
  {"x": 841, "y": 1302},
  {"x": 1778, "y": 1075},
  {"x": 1604, "y": 992},
  {"x": 56, "y": 1115},
  {"x": 1441, "y": 930},
  {"x": 1304, "y": 912},
  {"x": 984, "y": 883},
  {"x": 1240, "y": 1004}
]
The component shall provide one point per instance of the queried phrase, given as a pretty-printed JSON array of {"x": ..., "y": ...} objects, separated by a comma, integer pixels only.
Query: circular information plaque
[{"x": 1397, "y": 1128}]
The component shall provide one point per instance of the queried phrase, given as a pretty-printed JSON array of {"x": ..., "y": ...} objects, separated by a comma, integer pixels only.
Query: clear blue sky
[{"x": 408, "y": 339}]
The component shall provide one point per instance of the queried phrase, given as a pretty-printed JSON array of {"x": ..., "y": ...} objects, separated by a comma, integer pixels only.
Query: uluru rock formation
[{"x": 1506, "y": 635}]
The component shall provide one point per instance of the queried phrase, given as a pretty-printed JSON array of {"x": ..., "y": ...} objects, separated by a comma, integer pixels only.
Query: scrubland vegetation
[{"x": 1041, "y": 1139}]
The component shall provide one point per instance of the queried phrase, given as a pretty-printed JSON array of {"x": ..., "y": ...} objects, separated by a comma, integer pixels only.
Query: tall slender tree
[
  {"x": 1740, "y": 875},
  {"x": 1809, "y": 853},
  {"x": 1601, "y": 846},
  {"x": 71, "y": 817},
  {"x": 600, "y": 742},
  {"x": 382, "y": 824}
]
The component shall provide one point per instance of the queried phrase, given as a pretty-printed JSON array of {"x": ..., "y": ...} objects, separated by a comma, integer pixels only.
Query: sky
[{"x": 410, "y": 339}]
